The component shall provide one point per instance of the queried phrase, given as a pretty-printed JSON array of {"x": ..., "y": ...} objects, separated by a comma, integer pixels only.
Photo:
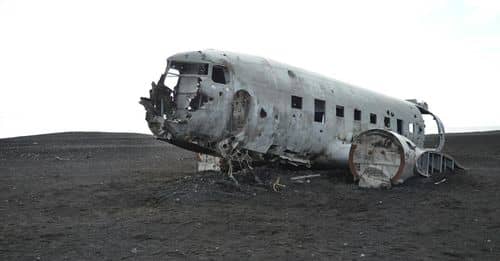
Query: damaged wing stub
[{"x": 380, "y": 158}]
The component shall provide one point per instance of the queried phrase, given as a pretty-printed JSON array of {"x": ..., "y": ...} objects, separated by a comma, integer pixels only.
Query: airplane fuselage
[{"x": 224, "y": 103}]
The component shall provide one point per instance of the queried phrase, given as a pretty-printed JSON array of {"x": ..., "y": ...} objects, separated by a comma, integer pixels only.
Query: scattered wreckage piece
[
  {"x": 206, "y": 162},
  {"x": 276, "y": 185},
  {"x": 252, "y": 111},
  {"x": 305, "y": 177}
]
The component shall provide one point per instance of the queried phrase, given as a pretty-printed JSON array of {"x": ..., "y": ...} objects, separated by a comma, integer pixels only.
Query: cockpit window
[
  {"x": 171, "y": 78},
  {"x": 220, "y": 74},
  {"x": 190, "y": 68}
]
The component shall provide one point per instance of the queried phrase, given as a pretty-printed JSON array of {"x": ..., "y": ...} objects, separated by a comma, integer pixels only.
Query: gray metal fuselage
[{"x": 254, "y": 112}]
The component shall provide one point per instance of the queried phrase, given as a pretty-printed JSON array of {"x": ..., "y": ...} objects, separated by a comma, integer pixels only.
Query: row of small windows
[{"x": 319, "y": 114}]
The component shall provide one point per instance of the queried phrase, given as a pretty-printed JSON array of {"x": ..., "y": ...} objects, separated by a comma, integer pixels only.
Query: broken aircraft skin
[{"x": 252, "y": 110}]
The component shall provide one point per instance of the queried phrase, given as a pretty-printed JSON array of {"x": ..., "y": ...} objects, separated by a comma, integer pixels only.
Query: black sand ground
[{"x": 105, "y": 196}]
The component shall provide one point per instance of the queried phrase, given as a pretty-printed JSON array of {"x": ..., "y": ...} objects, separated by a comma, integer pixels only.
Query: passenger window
[
  {"x": 410, "y": 128},
  {"x": 357, "y": 115},
  {"x": 220, "y": 74},
  {"x": 387, "y": 122},
  {"x": 319, "y": 111},
  {"x": 339, "y": 111},
  {"x": 296, "y": 102},
  {"x": 373, "y": 118},
  {"x": 399, "y": 126}
]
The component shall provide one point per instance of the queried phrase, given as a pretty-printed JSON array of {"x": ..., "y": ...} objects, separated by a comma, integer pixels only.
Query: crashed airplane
[{"x": 252, "y": 111}]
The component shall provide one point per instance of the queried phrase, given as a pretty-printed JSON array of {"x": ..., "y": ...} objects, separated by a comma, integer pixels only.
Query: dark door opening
[
  {"x": 319, "y": 111},
  {"x": 400, "y": 126}
]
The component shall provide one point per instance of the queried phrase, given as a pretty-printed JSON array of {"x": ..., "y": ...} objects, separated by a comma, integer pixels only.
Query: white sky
[{"x": 82, "y": 65}]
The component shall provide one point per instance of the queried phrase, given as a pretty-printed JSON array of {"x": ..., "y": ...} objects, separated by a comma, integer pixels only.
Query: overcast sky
[{"x": 82, "y": 65}]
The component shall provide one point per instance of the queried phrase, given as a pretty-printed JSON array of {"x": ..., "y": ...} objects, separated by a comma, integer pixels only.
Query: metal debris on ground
[
  {"x": 439, "y": 182},
  {"x": 300, "y": 179},
  {"x": 277, "y": 185}
]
